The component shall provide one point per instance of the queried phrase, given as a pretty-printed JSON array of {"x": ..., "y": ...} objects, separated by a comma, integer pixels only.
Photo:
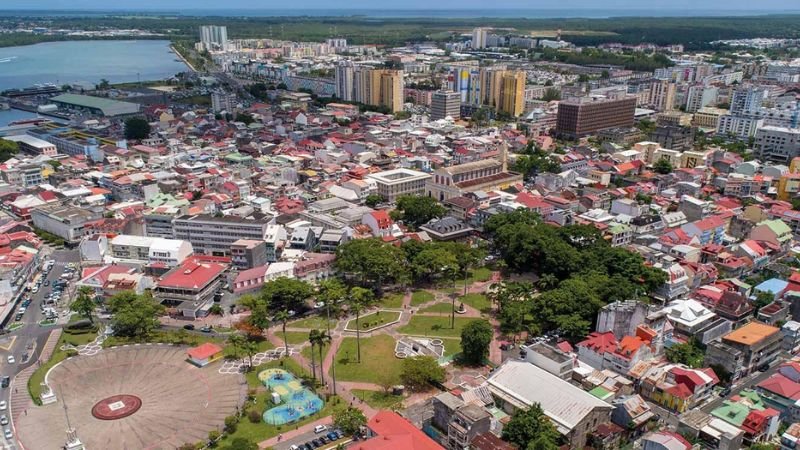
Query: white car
[
  {"x": 11, "y": 359},
  {"x": 8, "y": 434},
  {"x": 320, "y": 428},
  {"x": 3, "y": 405}
]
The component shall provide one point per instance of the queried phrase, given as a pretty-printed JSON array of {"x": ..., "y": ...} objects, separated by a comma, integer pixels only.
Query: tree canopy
[
  {"x": 349, "y": 419},
  {"x": 582, "y": 273},
  {"x": 371, "y": 262},
  {"x": 531, "y": 429},
  {"x": 416, "y": 210},
  {"x": 137, "y": 128},
  {"x": 476, "y": 337},
  {"x": 8, "y": 149},
  {"x": 663, "y": 166},
  {"x": 134, "y": 315},
  {"x": 419, "y": 372}
]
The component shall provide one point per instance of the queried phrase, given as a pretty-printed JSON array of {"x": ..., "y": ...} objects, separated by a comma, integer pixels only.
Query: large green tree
[
  {"x": 476, "y": 337},
  {"x": 134, "y": 315},
  {"x": 416, "y": 210},
  {"x": 7, "y": 150},
  {"x": 371, "y": 262},
  {"x": 529, "y": 426},
  {"x": 84, "y": 303},
  {"x": 349, "y": 420},
  {"x": 286, "y": 294},
  {"x": 137, "y": 129},
  {"x": 419, "y": 372}
]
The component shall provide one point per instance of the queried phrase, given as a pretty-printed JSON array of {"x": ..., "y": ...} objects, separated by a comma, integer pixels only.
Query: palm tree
[
  {"x": 323, "y": 339},
  {"x": 250, "y": 348},
  {"x": 313, "y": 338},
  {"x": 283, "y": 316},
  {"x": 360, "y": 298},
  {"x": 236, "y": 340}
]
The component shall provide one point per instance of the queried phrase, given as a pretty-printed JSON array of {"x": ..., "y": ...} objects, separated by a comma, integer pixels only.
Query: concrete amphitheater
[{"x": 137, "y": 397}]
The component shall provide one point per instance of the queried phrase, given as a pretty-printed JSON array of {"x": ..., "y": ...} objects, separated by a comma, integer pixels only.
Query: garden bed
[{"x": 374, "y": 321}]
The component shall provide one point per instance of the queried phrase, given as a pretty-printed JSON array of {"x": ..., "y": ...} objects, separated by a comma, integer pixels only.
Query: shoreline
[{"x": 182, "y": 58}]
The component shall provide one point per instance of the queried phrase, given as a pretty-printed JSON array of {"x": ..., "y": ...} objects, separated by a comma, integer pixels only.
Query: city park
[{"x": 420, "y": 315}]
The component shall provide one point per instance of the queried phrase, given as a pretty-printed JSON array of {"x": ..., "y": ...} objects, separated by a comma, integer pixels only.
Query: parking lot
[{"x": 311, "y": 440}]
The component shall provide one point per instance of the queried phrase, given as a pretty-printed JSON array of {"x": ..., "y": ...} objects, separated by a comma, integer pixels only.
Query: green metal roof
[{"x": 108, "y": 106}]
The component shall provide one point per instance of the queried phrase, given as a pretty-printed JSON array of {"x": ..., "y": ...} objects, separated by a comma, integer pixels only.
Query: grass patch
[
  {"x": 420, "y": 297},
  {"x": 434, "y": 326},
  {"x": 477, "y": 301},
  {"x": 372, "y": 320},
  {"x": 313, "y": 322},
  {"x": 377, "y": 359},
  {"x": 379, "y": 399},
  {"x": 451, "y": 346},
  {"x": 201, "y": 100},
  {"x": 294, "y": 337},
  {"x": 392, "y": 301},
  {"x": 439, "y": 308},
  {"x": 256, "y": 432}
]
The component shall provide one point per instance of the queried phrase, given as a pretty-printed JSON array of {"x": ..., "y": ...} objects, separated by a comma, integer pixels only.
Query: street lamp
[{"x": 322, "y": 363}]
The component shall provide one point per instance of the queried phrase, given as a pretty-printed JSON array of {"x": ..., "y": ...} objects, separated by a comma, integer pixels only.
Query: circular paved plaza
[{"x": 141, "y": 397}]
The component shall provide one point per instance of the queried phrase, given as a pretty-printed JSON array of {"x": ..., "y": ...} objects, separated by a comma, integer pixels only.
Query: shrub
[
  {"x": 253, "y": 416},
  {"x": 230, "y": 424}
]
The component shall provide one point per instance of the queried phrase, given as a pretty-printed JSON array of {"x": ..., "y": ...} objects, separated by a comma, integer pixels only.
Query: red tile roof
[
  {"x": 395, "y": 433},
  {"x": 782, "y": 386},
  {"x": 193, "y": 273},
  {"x": 204, "y": 351}
]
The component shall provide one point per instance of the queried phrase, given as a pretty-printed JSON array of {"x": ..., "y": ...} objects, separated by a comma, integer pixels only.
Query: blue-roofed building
[{"x": 774, "y": 286}]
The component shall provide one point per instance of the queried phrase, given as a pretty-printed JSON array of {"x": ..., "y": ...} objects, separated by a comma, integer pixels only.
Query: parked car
[
  {"x": 6, "y": 381},
  {"x": 764, "y": 367},
  {"x": 320, "y": 428},
  {"x": 206, "y": 329},
  {"x": 11, "y": 359},
  {"x": 3, "y": 420},
  {"x": 8, "y": 434},
  {"x": 189, "y": 327},
  {"x": 3, "y": 405}
]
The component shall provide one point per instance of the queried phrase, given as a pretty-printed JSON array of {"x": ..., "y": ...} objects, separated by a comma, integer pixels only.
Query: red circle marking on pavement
[{"x": 116, "y": 407}]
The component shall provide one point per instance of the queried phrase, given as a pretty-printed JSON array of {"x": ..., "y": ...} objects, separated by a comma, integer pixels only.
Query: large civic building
[
  {"x": 95, "y": 105},
  {"x": 398, "y": 182},
  {"x": 585, "y": 116}
]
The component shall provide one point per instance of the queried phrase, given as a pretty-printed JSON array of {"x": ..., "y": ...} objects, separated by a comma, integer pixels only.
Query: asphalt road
[{"x": 30, "y": 338}]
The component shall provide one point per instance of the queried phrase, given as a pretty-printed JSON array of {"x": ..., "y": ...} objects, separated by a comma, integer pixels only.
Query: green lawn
[
  {"x": 377, "y": 359},
  {"x": 394, "y": 300},
  {"x": 257, "y": 432},
  {"x": 477, "y": 301},
  {"x": 451, "y": 346},
  {"x": 379, "y": 399},
  {"x": 372, "y": 320},
  {"x": 434, "y": 326},
  {"x": 420, "y": 297},
  {"x": 445, "y": 308},
  {"x": 294, "y": 337},
  {"x": 311, "y": 323}
]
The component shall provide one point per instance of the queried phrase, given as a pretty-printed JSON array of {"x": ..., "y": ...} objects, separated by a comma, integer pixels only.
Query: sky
[{"x": 761, "y": 5}]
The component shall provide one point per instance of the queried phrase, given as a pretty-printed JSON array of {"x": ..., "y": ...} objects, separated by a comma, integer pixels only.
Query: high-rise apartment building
[
  {"x": 479, "y": 36},
  {"x": 582, "y": 117},
  {"x": 445, "y": 104},
  {"x": 223, "y": 101},
  {"x": 371, "y": 86},
  {"x": 213, "y": 37},
  {"x": 700, "y": 96},
  {"x": 512, "y": 93},
  {"x": 467, "y": 82},
  {"x": 344, "y": 81},
  {"x": 662, "y": 95},
  {"x": 748, "y": 99}
]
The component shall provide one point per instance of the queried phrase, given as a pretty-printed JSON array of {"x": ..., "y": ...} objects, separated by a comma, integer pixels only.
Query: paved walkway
[
  {"x": 21, "y": 399},
  {"x": 338, "y": 333}
]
